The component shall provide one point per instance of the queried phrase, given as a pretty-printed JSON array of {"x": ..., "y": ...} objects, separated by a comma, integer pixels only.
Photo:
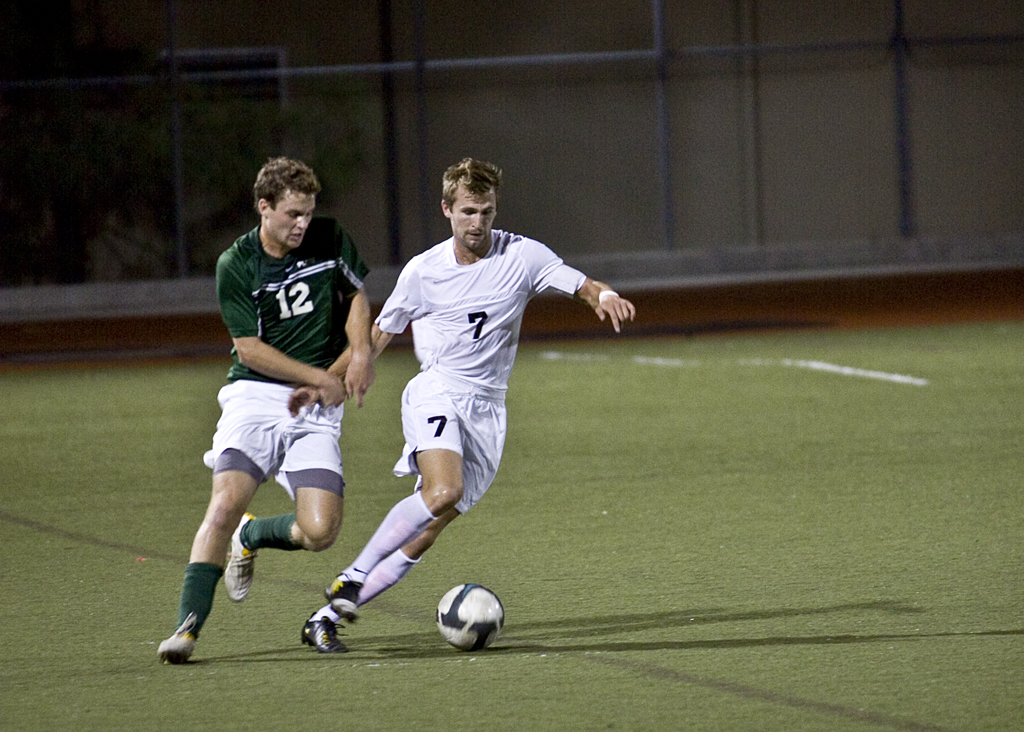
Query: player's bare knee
[
  {"x": 318, "y": 544},
  {"x": 442, "y": 497},
  {"x": 222, "y": 517},
  {"x": 315, "y": 535}
]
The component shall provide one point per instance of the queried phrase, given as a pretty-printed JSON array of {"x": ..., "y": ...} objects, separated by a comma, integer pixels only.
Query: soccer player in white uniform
[
  {"x": 291, "y": 295},
  {"x": 465, "y": 299}
]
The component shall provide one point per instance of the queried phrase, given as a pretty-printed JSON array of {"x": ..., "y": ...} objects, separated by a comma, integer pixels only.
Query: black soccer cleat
[
  {"x": 343, "y": 596},
  {"x": 323, "y": 636}
]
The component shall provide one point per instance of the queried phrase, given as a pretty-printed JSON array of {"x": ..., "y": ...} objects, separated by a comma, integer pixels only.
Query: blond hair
[{"x": 477, "y": 176}]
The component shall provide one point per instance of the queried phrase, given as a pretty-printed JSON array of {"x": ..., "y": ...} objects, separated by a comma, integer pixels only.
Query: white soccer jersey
[{"x": 465, "y": 318}]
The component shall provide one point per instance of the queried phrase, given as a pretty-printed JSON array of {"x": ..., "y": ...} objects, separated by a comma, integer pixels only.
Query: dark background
[{"x": 130, "y": 133}]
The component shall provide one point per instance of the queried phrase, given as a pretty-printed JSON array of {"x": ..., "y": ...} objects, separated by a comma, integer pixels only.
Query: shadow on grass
[
  {"x": 580, "y": 635},
  {"x": 625, "y": 623}
]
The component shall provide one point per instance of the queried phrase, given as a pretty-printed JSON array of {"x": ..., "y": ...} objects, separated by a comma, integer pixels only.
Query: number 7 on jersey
[{"x": 478, "y": 318}]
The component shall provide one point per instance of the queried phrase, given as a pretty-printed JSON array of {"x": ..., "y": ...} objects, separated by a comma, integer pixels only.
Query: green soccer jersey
[{"x": 298, "y": 304}]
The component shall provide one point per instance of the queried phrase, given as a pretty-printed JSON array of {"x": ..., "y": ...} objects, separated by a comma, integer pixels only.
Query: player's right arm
[
  {"x": 267, "y": 360},
  {"x": 379, "y": 339}
]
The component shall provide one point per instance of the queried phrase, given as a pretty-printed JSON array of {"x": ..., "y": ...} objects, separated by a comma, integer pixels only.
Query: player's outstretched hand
[
  {"x": 359, "y": 377},
  {"x": 619, "y": 309}
]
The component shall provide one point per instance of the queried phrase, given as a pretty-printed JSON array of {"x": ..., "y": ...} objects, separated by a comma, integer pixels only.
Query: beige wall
[{"x": 791, "y": 148}]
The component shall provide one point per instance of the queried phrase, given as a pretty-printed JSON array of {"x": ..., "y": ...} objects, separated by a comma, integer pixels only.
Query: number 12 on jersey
[{"x": 300, "y": 305}]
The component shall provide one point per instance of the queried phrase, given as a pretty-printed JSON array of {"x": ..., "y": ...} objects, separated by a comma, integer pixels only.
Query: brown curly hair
[{"x": 279, "y": 175}]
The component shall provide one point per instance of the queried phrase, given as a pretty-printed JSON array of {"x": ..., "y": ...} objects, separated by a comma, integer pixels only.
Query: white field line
[
  {"x": 559, "y": 356},
  {"x": 788, "y": 362},
  {"x": 850, "y": 371}
]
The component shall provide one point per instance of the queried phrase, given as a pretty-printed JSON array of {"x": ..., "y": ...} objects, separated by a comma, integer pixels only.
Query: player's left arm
[
  {"x": 304, "y": 396},
  {"x": 355, "y": 364},
  {"x": 606, "y": 302}
]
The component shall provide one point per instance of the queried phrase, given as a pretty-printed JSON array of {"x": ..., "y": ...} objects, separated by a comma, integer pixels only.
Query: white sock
[
  {"x": 386, "y": 574},
  {"x": 327, "y": 612},
  {"x": 404, "y": 522}
]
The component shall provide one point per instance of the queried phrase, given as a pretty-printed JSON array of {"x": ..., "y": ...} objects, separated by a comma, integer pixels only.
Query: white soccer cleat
[
  {"x": 179, "y": 646},
  {"x": 241, "y": 564}
]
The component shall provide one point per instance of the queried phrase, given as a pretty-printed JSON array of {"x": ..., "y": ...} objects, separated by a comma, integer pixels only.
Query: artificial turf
[{"x": 789, "y": 531}]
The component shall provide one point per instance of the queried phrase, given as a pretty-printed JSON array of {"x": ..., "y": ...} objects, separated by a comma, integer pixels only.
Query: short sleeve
[
  {"x": 548, "y": 270},
  {"x": 352, "y": 270},
  {"x": 237, "y": 307},
  {"x": 404, "y": 304},
  {"x": 565, "y": 279}
]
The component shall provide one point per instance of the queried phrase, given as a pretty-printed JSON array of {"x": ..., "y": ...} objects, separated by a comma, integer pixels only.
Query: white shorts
[
  {"x": 437, "y": 413},
  {"x": 255, "y": 421}
]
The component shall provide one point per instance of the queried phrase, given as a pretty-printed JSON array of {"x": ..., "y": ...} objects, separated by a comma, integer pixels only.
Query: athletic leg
[
  {"x": 394, "y": 567},
  {"x": 232, "y": 492},
  {"x": 318, "y": 515},
  {"x": 441, "y": 489}
]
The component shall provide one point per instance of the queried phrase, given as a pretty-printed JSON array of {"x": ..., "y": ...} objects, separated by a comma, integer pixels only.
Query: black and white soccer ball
[{"x": 470, "y": 617}]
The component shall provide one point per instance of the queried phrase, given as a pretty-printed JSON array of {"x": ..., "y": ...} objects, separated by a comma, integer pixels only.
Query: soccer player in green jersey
[{"x": 291, "y": 295}]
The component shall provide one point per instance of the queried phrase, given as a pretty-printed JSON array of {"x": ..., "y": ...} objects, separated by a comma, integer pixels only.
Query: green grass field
[{"x": 781, "y": 532}]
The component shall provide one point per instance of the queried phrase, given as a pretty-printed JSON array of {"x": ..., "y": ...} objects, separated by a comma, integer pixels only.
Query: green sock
[
  {"x": 197, "y": 592},
  {"x": 270, "y": 533}
]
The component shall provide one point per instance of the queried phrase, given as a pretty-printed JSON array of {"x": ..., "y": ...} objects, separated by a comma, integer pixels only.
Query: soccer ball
[{"x": 470, "y": 617}]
